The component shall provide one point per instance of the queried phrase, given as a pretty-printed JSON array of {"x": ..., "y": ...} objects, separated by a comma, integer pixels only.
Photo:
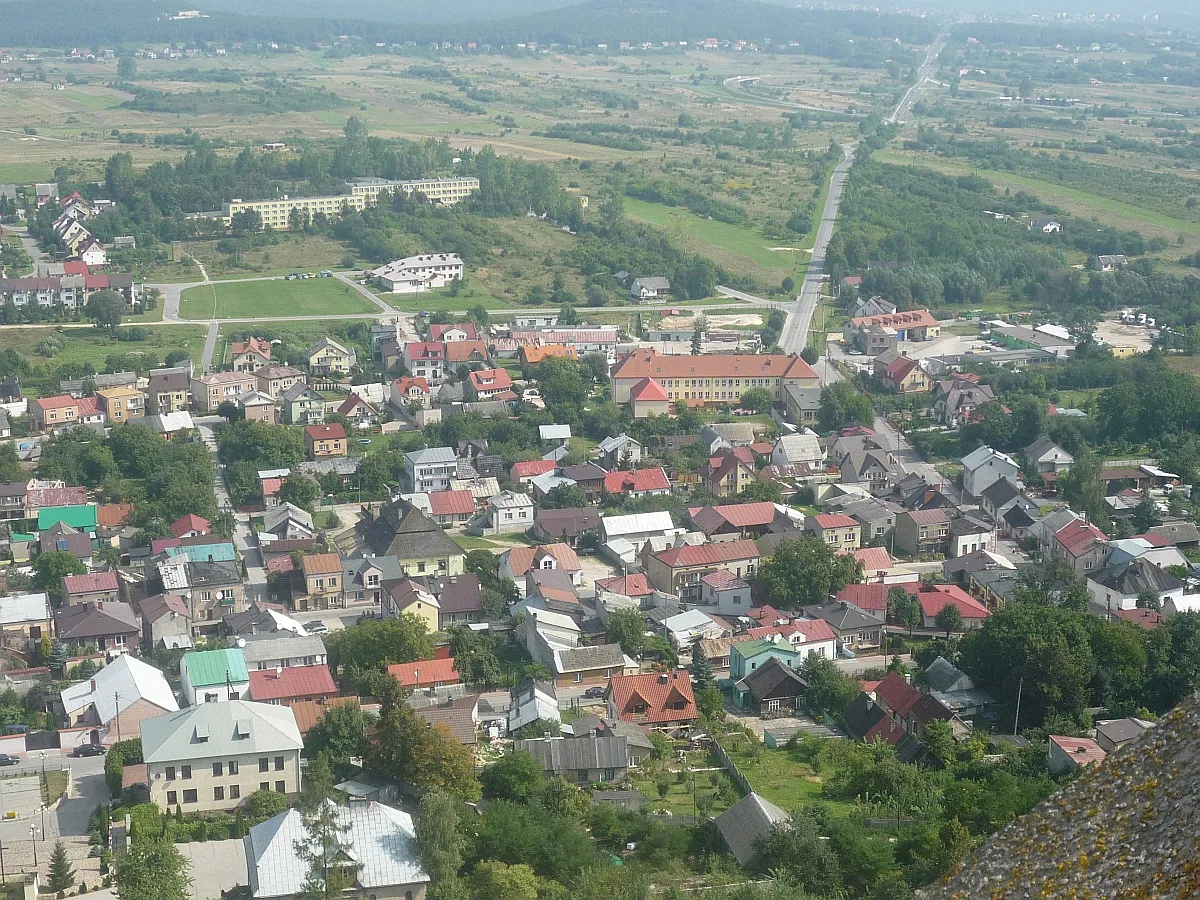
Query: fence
[{"x": 738, "y": 778}]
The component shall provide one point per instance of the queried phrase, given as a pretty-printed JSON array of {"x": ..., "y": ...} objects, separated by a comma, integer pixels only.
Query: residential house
[
  {"x": 358, "y": 411},
  {"x": 283, "y": 687},
  {"x": 327, "y": 357},
  {"x": 418, "y": 544},
  {"x": 491, "y": 384},
  {"x": 635, "y": 528},
  {"x": 518, "y": 561},
  {"x": 460, "y": 599},
  {"x": 922, "y": 532},
  {"x": 505, "y": 513},
  {"x": 647, "y": 398},
  {"x": 250, "y": 355},
  {"x": 724, "y": 593},
  {"x": 636, "y": 587},
  {"x": 649, "y": 287},
  {"x": 804, "y": 635},
  {"x": 835, "y": 529},
  {"x": 532, "y": 701},
  {"x": 619, "y": 452},
  {"x": 322, "y": 441},
  {"x": 678, "y": 570},
  {"x": 387, "y": 859},
  {"x": 166, "y": 622},
  {"x": 257, "y": 407},
  {"x": 1082, "y": 545},
  {"x": 727, "y": 435},
  {"x": 27, "y": 616},
  {"x": 190, "y": 525},
  {"x": 301, "y": 405},
  {"x": 1047, "y": 459},
  {"x": 453, "y": 332},
  {"x": 283, "y": 648},
  {"x": 525, "y": 471},
  {"x": 1116, "y": 733},
  {"x": 1001, "y": 496},
  {"x": 747, "y": 656},
  {"x": 911, "y": 325},
  {"x": 772, "y": 688},
  {"x": 802, "y": 405},
  {"x": 638, "y": 483},
  {"x": 550, "y": 589},
  {"x": 212, "y": 389},
  {"x": 854, "y": 628},
  {"x": 747, "y": 822},
  {"x": 877, "y": 518},
  {"x": 591, "y": 761},
  {"x": 682, "y": 629},
  {"x": 363, "y": 579},
  {"x": 274, "y": 380},
  {"x": 97, "y": 587},
  {"x": 431, "y": 469},
  {"x": 110, "y": 627},
  {"x": 288, "y": 522},
  {"x": 214, "y": 755},
  {"x": 552, "y": 436},
  {"x": 451, "y": 507},
  {"x": 901, "y": 374},
  {"x": 955, "y": 401},
  {"x": 168, "y": 390},
  {"x": 115, "y": 700},
  {"x": 408, "y": 596},
  {"x": 323, "y": 584},
  {"x": 425, "y": 673},
  {"x": 1066, "y": 754},
  {"x": 52, "y": 413},
  {"x": 728, "y": 472},
  {"x": 213, "y": 676},
  {"x": 734, "y": 521},
  {"x": 120, "y": 404},
  {"x": 1121, "y": 586},
  {"x": 661, "y": 700},
  {"x": 932, "y": 602},
  {"x": 983, "y": 466},
  {"x": 794, "y": 449},
  {"x": 426, "y": 360},
  {"x": 407, "y": 391}
]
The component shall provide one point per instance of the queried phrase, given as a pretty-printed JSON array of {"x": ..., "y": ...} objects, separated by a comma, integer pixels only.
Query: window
[
  {"x": 172, "y": 798},
  {"x": 189, "y": 796},
  {"x": 279, "y": 764},
  {"x": 170, "y": 773},
  {"x": 264, "y": 785},
  {"x": 420, "y": 567},
  {"x": 577, "y": 677},
  {"x": 185, "y": 771},
  {"x": 281, "y": 787},
  {"x": 218, "y": 793},
  {"x": 218, "y": 769},
  {"x": 264, "y": 764}
]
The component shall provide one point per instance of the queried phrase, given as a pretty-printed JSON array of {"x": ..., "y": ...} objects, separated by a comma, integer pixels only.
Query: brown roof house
[
  {"x": 106, "y": 626},
  {"x": 94, "y": 588},
  {"x": 166, "y": 622}
]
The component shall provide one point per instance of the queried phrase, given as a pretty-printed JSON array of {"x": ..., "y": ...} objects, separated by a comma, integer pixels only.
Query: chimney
[
  {"x": 908, "y": 679},
  {"x": 93, "y": 685},
  {"x": 663, "y": 678}
]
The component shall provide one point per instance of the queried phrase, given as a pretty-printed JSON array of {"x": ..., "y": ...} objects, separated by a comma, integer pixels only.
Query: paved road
[
  {"x": 923, "y": 73},
  {"x": 243, "y": 533},
  {"x": 795, "y": 331},
  {"x": 31, "y": 246}
]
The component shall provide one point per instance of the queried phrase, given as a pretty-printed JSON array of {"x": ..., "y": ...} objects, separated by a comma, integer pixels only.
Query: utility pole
[
  {"x": 117, "y": 705},
  {"x": 1017, "y": 717}
]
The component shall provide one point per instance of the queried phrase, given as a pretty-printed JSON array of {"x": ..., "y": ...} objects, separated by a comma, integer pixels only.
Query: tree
[
  {"x": 762, "y": 491},
  {"x": 939, "y": 738},
  {"x": 796, "y": 848},
  {"x": 248, "y": 221},
  {"x": 441, "y": 844},
  {"x": 1149, "y": 599},
  {"x": 516, "y": 776},
  {"x": 137, "y": 449},
  {"x": 62, "y": 873},
  {"x": 757, "y": 399},
  {"x": 1081, "y": 486},
  {"x": 377, "y": 643},
  {"x": 949, "y": 619},
  {"x": 105, "y": 308},
  {"x": 564, "y": 496},
  {"x": 829, "y": 688},
  {"x": 500, "y": 881},
  {"x": 152, "y": 869},
  {"x": 698, "y": 335},
  {"x": 50, "y": 567},
  {"x": 1145, "y": 514},
  {"x": 804, "y": 572},
  {"x": 326, "y": 850},
  {"x": 299, "y": 490},
  {"x": 230, "y": 411},
  {"x": 702, "y": 671},
  {"x": 339, "y": 732},
  {"x": 627, "y": 627},
  {"x": 265, "y": 804},
  {"x": 842, "y": 405},
  {"x": 126, "y": 67}
]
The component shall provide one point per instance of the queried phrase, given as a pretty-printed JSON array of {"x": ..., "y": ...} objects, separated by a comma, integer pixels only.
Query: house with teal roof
[
  {"x": 214, "y": 676},
  {"x": 746, "y": 657},
  {"x": 217, "y": 551},
  {"x": 81, "y": 518}
]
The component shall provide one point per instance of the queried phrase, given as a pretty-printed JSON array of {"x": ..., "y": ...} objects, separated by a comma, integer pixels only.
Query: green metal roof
[
  {"x": 81, "y": 517},
  {"x": 218, "y": 551},
  {"x": 207, "y": 668},
  {"x": 747, "y": 649},
  {"x": 22, "y": 538}
]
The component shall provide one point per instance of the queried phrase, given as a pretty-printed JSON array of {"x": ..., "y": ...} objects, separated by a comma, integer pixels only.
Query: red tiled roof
[
  {"x": 252, "y": 345},
  {"x": 425, "y": 350},
  {"x": 158, "y": 545},
  {"x": 403, "y": 385},
  {"x": 928, "y": 516},
  {"x": 491, "y": 380},
  {"x": 1154, "y": 540},
  {"x": 38, "y": 498},
  {"x": 86, "y": 584},
  {"x": 295, "y": 681},
  {"x": 767, "y": 613},
  {"x": 871, "y": 597},
  {"x": 932, "y": 602},
  {"x": 721, "y": 580},
  {"x": 813, "y": 631},
  {"x": 648, "y": 390},
  {"x": 347, "y": 405},
  {"x": 708, "y": 554},
  {"x": 1078, "y": 537},
  {"x": 648, "y": 363},
  {"x": 897, "y": 694},
  {"x": 522, "y": 559},
  {"x": 887, "y": 730},
  {"x": 322, "y": 564},
  {"x": 451, "y": 503},
  {"x": 75, "y": 267},
  {"x": 834, "y": 520},
  {"x": 425, "y": 673},
  {"x": 438, "y": 332},
  {"x": 1083, "y": 751},
  {"x": 637, "y": 480},
  {"x": 63, "y": 401},
  {"x": 113, "y": 515},
  {"x": 852, "y": 280},
  {"x": 461, "y": 351},
  {"x": 897, "y": 369},
  {"x": 531, "y": 467},
  {"x": 1149, "y": 619},
  {"x": 309, "y": 712},
  {"x": 326, "y": 432},
  {"x": 913, "y": 318},
  {"x": 271, "y": 486},
  {"x": 88, "y": 407},
  {"x": 739, "y": 515},
  {"x": 627, "y": 585},
  {"x": 190, "y": 522},
  {"x": 658, "y": 692},
  {"x": 873, "y": 559}
]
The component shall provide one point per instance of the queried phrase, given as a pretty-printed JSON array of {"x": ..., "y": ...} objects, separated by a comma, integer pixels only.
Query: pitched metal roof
[
  {"x": 209, "y": 667},
  {"x": 120, "y": 684},
  {"x": 219, "y": 729},
  {"x": 561, "y": 755},
  {"x": 745, "y": 822}
]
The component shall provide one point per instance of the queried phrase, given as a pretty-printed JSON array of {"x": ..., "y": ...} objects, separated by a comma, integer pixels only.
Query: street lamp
[
  {"x": 33, "y": 839},
  {"x": 42, "y": 810}
]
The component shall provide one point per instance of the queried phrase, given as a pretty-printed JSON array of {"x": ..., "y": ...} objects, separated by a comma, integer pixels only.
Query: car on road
[
  {"x": 88, "y": 750},
  {"x": 317, "y": 627},
  {"x": 6, "y": 760},
  {"x": 594, "y": 693},
  {"x": 325, "y": 273}
]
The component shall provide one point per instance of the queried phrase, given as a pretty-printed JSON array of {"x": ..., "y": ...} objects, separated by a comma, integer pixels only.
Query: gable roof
[
  {"x": 84, "y": 620},
  {"x": 644, "y": 362},
  {"x": 636, "y": 585},
  {"x": 521, "y": 559},
  {"x": 211, "y": 667},
  {"x": 656, "y": 691},
  {"x": 932, "y": 602},
  {"x": 745, "y": 822},
  {"x": 773, "y": 679},
  {"x": 1137, "y": 575},
  {"x": 119, "y": 685},
  {"x": 451, "y": 503},
  {"x": 638, "y": 480},
  {"x": 425, "y": 672},
  {"x": 981, "y": 456},
  {"x": 1000, "y": 492},
  {"x": 90, "y": 583},
  {"x": 708, "y": 554},
  {"x": 267, "y": 685},
  {"x": 1079, "y": 537},
  {"x": 738, "y": 515},
  {"x": 561, "y": 755}
]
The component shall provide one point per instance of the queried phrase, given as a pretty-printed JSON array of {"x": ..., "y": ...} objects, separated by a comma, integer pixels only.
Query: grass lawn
[
  {"x": 93, "y": 345},
  {"x": 273, "y": 297},
  {"x": 54, "y": 786},
  {"x": 470, "y": 542},
  {"x": 679, "y": 800},
  {"x": 781, "y": 779}
]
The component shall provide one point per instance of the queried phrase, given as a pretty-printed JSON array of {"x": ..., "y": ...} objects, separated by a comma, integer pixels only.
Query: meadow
[{"x": 273, "y": 297}]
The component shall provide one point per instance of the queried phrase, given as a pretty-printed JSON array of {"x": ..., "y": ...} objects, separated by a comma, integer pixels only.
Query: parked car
[
  {"x": 6, "y": 760},
  {"x": 316, "y": 627},
  {"x": 325, "y": 273},
  {"x": 88, "y": 750},
  {"x": 594, "y": 693}
]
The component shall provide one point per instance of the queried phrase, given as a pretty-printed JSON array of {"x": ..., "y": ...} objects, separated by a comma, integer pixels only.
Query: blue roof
[{"x": 220, "y": 551}]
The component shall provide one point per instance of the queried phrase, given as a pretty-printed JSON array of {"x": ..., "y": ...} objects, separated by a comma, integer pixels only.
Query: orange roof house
[
  {"x": 660, "y": 698},
  {"x": 425, "y": 673}
]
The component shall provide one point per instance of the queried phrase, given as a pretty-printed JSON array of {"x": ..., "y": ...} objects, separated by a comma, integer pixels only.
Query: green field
[
  {"x": 273, "y": 297},
  {"x": 781, "y": 779},
  {"x": 92, "y": 345},
  {"x": 724, "y": 243}
]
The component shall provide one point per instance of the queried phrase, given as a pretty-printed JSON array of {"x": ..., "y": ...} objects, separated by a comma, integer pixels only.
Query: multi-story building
[
  {"x": 215, "y": 755},
  {"x": 71, "y": 291},
  {"x": 425, "y": 359},
  {"x": 431, "y": 469},
  {"x": 415, "y": 274},
  {"x": 274, "y": 380},
  {"x": 328, "y": 357},
  {"x": 167, "y": 390},
  {"x": 250, "y": 355},
  {"x": 323, "y": 582},
  {"x": 835, "y": 529},
  {"x": 211, "y": 390},
  {"x": 120, "y": 404},
  {"x": 713, "y": 379},
  {"x": 446, "y": 191},
  {"x": 323, "y": 441},
  {"x": 678, "y": 570}
]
